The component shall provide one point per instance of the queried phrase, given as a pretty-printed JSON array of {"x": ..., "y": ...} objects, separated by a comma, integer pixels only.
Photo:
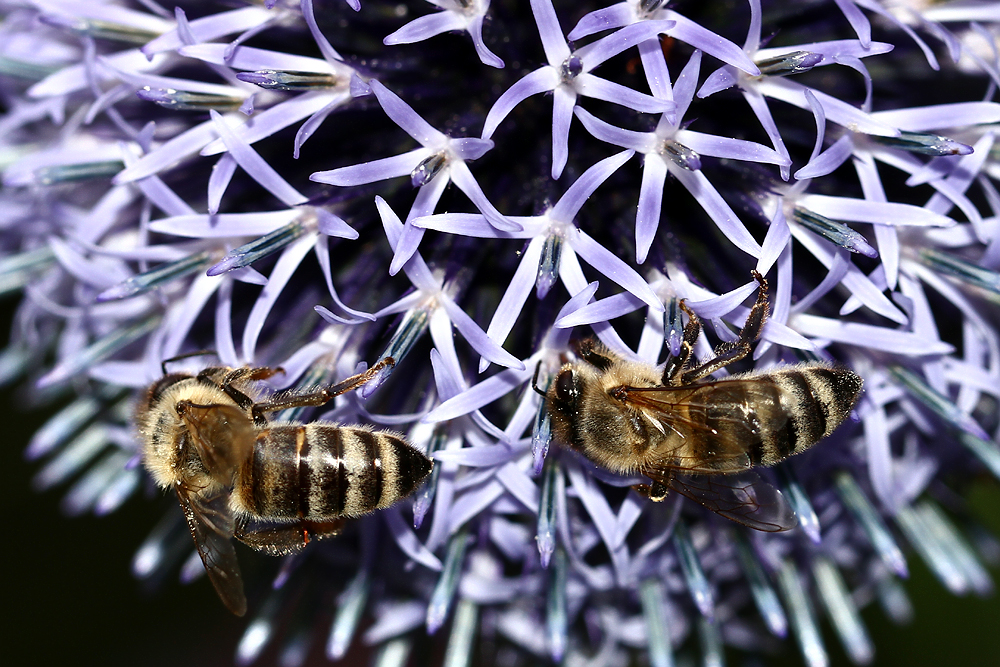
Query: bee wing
[
  {"x": 744, "y": 498},
  {"x": 223, "y": 434},
  {"x": 212, "y": 525},
  {"x": 687, "y": 411}
]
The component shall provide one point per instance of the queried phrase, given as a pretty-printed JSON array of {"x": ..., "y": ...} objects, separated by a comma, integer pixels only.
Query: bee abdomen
[
  {"x": 320, "y": 471},
  {"x": 815, "y": 400}
]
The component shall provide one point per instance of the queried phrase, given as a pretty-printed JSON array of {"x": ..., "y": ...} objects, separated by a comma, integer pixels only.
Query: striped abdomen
[
  {"x": 768, "y": 416},
  {"x": 321, "y": 471}
]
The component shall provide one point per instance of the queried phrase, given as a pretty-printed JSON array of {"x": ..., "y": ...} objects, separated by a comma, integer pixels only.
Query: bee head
[
  {"x": 563, "y": 400},
  {"x": 564, "y": 394},
  {"x": 156, "y": 390}
]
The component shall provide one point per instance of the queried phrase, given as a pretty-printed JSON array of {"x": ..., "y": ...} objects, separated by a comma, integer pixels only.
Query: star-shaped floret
[{"x": 439, "y": 161}]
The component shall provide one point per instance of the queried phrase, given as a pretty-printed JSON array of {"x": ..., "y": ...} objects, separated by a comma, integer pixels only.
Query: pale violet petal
[
  {"x": 716, "y": 207},
  {"x": 774, "y": 242},
  {"x": 597, "y": 52},
  {"x": 727, "y": 147},
  {"x": 939, "y": 116},
  {"x": 701, "y": 38},
  {"x": 550, "y": 31},
  {"x": 476, "y": 337},
  {"x": 424, "y": 27},
  {"x": 647, "y": 219},
  {"x": 515, "y": 296},
  {"x": 539, "y": 81},
  {"x": 614, "y": 268},
  {"x": 563, "y": 101},
  {"x": 589, "y": 85},
  {"x": 894, "y": 341},
  {"x": 639, "y": 141},
  {"x": 602, "y": 310},
  {"x": 875, "y": 212},
  {"x": 224, "y": 225},
  {"x": 265, "y": 123},
  {"x": 569, "y": 204},
  {"x": 255, "y": 165},
  {"x": 608, "y": 18},
  {"x": 406, "y": 118},
  {"x": 486, "y": 56},
  {"x": 829, "y": 160},
  {"x": 370, "y": 172}
]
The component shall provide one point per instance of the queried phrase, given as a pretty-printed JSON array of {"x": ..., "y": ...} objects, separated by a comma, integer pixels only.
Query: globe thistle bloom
[{"x": 225, "y": 177}]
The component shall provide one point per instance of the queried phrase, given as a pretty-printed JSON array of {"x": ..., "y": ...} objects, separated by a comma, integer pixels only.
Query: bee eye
[{"x": 566, "y": 387}]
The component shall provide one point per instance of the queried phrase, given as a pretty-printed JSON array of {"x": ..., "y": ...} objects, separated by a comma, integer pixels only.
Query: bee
[
  {"x": 275, "y": 486},
  {"x": 695, "y": 436}
]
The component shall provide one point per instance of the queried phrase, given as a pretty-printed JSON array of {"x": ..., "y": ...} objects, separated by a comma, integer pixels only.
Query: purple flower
[{"x": 233, "y": 182}]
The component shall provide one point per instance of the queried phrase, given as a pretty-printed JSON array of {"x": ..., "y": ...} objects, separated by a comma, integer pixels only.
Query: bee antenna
[
  {"x": 534, "y": 380},
  {"x": 163, "y": 364}
]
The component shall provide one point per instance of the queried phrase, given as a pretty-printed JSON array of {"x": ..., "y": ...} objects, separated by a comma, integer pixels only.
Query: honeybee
[
  {"x": 275, "y": 486},
  {"x": 700, "y": 437}
]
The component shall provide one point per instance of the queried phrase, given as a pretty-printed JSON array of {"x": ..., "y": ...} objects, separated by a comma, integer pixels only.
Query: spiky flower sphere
[{"x": 469, "y": 187}]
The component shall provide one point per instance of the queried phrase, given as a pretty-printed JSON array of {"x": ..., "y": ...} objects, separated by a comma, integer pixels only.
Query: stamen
[
  {"x": 428, "y": 168},
  {"x": 713, "y": 654},
  {"x": 694, "y": 574},
  {"x": 923, "y": 144},
  {"x": 835, "y": 232},
  {"x": 802, "y": 616},
  {"x": 571, "y": 68},
  {"x": 651, "y": 594},
  {"x": 463, "y": 632},
  {"x": 350, "y": 607},
  {"x": 681, "y": 155},
  {"x": 764, "y": 595},
  {"x": 74, "y": 173},
  {"x": 163, "y": 547},
  {"x": 673, "y": 327},
  {"x": 553, "y": 484},
  {"x": 799, "y": 501},
  {"x": 447, "y": 583},
  {"x": 161, "y": 275},
  {"x": 871, "y": 523},
  {"x": 425, "y": 496},
  {"x": 394, "y": 653},
  {"x": 271, "y": 79},
  {"x": 843, "y": 612},
  {"x": 248, "y": 253},
  {"x": 548, "y": 265},
  {"x": 927, "y": 543},
  {"x": 182, "y": 100},
  {"x": 787, "y": 64},
  {"x": 960, "y": 269},
  {"x": 100, "y": 29},
  {"x": 936, "y": 402},
  {"x": 556, "y": 620}
]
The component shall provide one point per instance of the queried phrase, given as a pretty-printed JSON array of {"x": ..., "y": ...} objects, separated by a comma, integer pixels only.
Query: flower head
[{"x": 232, "y": 186}]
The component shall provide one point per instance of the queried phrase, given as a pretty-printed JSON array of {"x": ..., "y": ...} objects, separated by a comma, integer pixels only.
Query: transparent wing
[
  {"x": 223, "y": 435},
  {"x": 715, "y": 423},
  {"x": 211, "y": 524},
  {"x": 744, "y": 498}
]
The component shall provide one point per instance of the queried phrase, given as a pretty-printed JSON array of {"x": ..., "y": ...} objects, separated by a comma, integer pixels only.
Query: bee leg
[
  {"x": 534, "y": 380},
  {"x": 276, "y": 403},
  {"x": 728, "y": 353},
  {"x": 247, "y": 374},
  {"x": 676, "y": 365},
  {"x": 657, "y": 491},
  {"x": 288, "y": 538},
  {"x": 587, "y": 349}
]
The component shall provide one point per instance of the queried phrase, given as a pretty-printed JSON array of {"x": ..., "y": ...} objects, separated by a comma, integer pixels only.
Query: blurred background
[{"x": 74, "y": 601}]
